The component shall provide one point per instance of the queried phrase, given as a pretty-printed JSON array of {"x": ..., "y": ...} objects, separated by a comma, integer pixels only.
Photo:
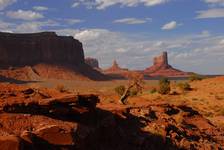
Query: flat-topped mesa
[
  {"x": 33, "y": 48},
  {"x": 161, "y": 67},
  {"x": 47, "y": 54}
]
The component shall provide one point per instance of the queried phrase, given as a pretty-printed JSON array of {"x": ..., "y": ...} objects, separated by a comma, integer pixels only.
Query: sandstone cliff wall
[
  {"x": 93, "y": 62},
  {"x": 30, "y": 49},
  {"x": 161, "y": 60}
]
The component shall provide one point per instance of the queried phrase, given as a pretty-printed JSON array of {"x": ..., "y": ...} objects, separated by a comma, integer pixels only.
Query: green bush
[
  {"x": 120, "y": 90},
  {"x": 164, "y": 86},
  {"x": 153, "y": 91},
  {"x": 133, "y": 92},
  {"x": 184, "y": 86},
  {"x": 195, "y": 77}
]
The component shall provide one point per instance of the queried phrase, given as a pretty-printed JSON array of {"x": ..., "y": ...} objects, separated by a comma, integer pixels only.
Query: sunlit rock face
[{"x": 161, "y": 67}]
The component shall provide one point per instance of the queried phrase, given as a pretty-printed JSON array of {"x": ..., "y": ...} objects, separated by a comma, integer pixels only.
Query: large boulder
[
  {"x": 55, "y": 135},
  {"x": 10, "y": 142}
]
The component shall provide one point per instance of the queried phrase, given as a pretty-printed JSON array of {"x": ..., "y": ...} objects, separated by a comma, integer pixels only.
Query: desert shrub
[
  {"x": 154, "y": 90},
  {"x": 61, "y": 88},
  {"x": 120, "y": 90},
  {"x": 184, "y": 86},
  {"x": 221, "y": 112},
  {"x": 133, "y": 92},
  {"x": 195, "y": 77},
  {"x": 164, "y": 86}
]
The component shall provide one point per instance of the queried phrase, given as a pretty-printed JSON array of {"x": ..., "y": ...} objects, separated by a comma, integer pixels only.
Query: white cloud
[
  {"x": 103, "y": 4},
  {"x": 121, "y": 50},
  {"x": 4, "y": 25},
  {"x": 27, "y": 27},
  {"x": 211, "y": 13},
  {"x": 87, "y": 35},
  {"x": 170, "y": 25},
  {"x": 215, "y": 2},
  {"x": 24, "y": 15},
  {"x": 40, "y": 8},
  {"x": 205, "y": 33},
  {"x": 221, "y": 42},
  {"x": 132, "y": 20},
  {"x": 5, "y": 3},
  {"x": 76, "y": 4},
  {"x": 73, "y": 21}
]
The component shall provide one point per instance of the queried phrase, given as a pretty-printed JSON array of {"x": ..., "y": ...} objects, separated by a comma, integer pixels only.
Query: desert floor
[{"x": 206, "y": 96}]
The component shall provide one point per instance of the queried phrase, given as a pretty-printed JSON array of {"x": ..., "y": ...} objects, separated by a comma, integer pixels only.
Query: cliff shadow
[
  {"x": 104, "y": 130},
  {"x": 14, "y": 81}
]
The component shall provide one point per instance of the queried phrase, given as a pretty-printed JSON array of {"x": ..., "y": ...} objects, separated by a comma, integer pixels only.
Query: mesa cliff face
[
  {"x": 161, "y": 67},
  {"x": 46, "y": 47},
  {"x": 20, "y": 50},
  {"x": 93, "y": 62}
]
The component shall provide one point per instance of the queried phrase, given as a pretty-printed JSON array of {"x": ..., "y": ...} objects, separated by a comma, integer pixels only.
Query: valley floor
[{"x": 190, "y": 119}]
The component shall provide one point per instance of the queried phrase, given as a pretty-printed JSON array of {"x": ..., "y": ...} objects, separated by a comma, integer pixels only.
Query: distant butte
[
  {"x": 161, "y": 67},
  {"x": 93, "y": 62},
  {"x": 115, "y": 68},
  {"x": 115, "y": 71}
]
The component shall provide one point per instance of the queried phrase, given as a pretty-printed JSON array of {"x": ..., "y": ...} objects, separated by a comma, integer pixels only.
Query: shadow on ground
[
  {"x": 103, "y": 130},
  {"x": 14, "y": 81}
]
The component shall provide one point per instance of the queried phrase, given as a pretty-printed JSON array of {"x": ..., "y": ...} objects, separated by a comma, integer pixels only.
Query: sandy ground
[{"x": 206, "y": 96}]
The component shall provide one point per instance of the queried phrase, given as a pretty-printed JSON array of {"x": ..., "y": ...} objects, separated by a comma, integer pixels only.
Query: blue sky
[{"x": 131, "y": 31}]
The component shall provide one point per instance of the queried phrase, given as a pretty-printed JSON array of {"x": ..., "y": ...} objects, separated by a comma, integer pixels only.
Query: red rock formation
[
  {"x": 115, "y": 68},
  {"x": 46, "y": 47},
  {"x": 161, "y": 67},
  {"x": 115, "y": 71},
  {"x": 93, "y": 62},
  {"x": 19, "y": 50}
]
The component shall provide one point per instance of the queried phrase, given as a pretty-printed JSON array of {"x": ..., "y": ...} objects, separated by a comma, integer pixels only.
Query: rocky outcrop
[
  {"x": 93, "y": 62},
  {"x": 161, "y": 67},
  {"x": 30, "y": 120},
  {"x": 47, "y": 48},
  {"x": 116, "y": 72},
  {"x": 11, "y": 142},
  {"x": 115, "y": 68}
]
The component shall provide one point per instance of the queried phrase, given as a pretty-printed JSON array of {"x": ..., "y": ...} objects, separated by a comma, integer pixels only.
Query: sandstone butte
[
  {"x": 93, "y": 62},
  {"x": 161, "y": 67},
  {"x": 115, "y": 71},
  {"x": 46, "y": 55}
]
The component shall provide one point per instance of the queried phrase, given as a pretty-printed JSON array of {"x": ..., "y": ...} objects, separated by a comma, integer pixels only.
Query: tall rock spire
[{"x": 161, "y": 67}]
